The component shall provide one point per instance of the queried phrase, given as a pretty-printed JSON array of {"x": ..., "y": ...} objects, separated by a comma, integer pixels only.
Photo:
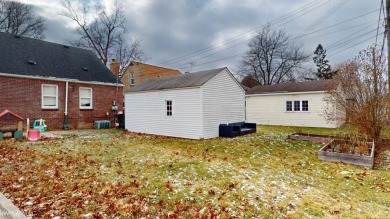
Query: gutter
[
  {"x": 284, "y": 93},
  {"x": 159, "y": 90},
  {"x": 66, "y": 106},
  {"x": 60, "y": 79}
]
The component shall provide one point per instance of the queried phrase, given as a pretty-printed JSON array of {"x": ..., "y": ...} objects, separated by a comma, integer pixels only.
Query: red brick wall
[{"x": 23, "y": 97}]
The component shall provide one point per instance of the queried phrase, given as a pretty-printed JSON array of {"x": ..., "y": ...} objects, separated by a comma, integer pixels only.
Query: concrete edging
[{"x": 9, "y": 210}]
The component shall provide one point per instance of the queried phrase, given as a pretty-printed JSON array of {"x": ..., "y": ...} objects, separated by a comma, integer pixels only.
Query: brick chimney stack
[{"x": 114, "y": 67}]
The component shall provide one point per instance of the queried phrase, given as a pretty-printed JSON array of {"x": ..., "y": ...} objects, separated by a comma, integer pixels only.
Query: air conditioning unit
[{"x": 102, "y": 124}]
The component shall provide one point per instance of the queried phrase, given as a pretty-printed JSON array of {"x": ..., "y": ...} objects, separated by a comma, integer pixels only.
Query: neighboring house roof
[
  {"x": 307, "y": 86},
  {"x": 152, "y": 70},
  {"x": 32, "y": 57},
  {"x": 195, "y": 79}
]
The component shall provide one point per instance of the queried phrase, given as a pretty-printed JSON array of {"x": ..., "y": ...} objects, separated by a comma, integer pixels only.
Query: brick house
[
  {"x": 40, "y": 79},
  {"x": 138, "y": 72}
]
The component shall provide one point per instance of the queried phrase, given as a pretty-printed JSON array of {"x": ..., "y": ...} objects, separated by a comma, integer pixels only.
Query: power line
[
  {"x": 233, "y": 39},
  {"x": 379, "y": 20},
  {"x": 345, "y": 21},
  {"x": 300, "y": 15},
  {"x": 340, "y": 30},
  {"x": 384, "y": 35},
  {"x": 360, "y": 42},
  {"x": 298, "y": 12},
  {"x": 326, "y": 15},
  {"x": 346, "y": 40},
  {"x": 183, "y": 65}
]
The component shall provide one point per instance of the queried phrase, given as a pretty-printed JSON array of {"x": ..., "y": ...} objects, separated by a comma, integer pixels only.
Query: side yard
[{"x": 114, "y": 174}]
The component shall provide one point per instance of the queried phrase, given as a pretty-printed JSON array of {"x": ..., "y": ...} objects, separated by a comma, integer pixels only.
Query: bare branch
[
  {"x": 360, "y": 90},
  {"x": 272, "y": 57},
  {"x": 104, "y": 34},
  {"x": 18, "y": 19}
]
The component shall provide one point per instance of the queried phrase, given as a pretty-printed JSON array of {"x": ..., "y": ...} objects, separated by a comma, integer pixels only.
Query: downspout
[{"x": 66, "y": 106}]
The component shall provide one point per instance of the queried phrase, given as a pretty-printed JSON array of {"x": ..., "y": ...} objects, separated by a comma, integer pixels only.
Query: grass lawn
[{"x": 115, "y": 174}]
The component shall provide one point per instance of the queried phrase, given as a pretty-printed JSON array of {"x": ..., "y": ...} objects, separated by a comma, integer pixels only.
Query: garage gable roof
[{"x": 195, "y": 79}]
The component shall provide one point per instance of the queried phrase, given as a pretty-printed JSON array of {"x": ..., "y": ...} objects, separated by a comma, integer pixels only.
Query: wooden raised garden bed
[
  {"x": 361, "y": 154},
  {"x": 310, "y": 137}
]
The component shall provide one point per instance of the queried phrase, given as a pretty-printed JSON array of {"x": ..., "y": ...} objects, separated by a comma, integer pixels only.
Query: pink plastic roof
[{"x": 6, "y": 114}]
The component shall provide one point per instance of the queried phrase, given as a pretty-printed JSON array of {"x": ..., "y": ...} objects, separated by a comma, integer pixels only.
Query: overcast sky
[{"x": 220, "y": 29}]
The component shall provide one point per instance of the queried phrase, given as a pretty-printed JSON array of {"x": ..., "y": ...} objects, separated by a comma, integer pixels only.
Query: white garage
[
  {"x": 291, "y": 104},
  {"x": 191, "y": 105}
]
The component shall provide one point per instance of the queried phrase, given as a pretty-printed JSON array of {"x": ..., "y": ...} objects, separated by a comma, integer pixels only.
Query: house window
[
  {"x": 49, "y": 96},
  {"x": 305, "y": 105},
  {"x": 297, "y": 105},
  {"x": 85, "y": 98},
  {"x": 289, "y": 106},
  {"x": 132, "y": 78},
  {"x": 169, "y": 107}
]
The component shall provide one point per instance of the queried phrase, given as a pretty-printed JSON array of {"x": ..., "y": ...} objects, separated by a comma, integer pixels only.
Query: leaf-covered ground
[{"x": 115, "y": 174}]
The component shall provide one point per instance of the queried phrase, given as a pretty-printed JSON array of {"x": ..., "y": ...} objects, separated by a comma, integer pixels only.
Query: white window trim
[
  {"x": 132, "y": 78},
  {"x": 308, "y": 108},
  {"x": 42, "y": 96},
  {"x": 292, "y": 106},
  {"x": 86, "y": 107},
  {"x": 300, "y": 106}
]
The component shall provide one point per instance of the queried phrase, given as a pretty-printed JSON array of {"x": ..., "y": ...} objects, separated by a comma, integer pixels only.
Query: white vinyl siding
[
  {"x": 195, "y": 112},
  {"x": 86, "y": 98},
  {"x": 49, "y": 96},
  {"x": 148, "y": 112},
  {"x": 223, "y": 102},
  {"x": 271, "y": 109}
]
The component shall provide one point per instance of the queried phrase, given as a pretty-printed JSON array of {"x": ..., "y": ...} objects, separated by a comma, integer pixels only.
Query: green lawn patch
[{"x": 111, "y": 173}]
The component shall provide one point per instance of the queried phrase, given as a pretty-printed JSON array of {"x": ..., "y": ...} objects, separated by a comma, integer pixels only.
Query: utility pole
[{"x": 388, "y": 39}]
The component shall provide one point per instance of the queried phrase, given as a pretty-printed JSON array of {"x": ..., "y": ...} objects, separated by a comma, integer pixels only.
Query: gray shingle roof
[
  {"x": 307, "y": 86},
  {"x": 52, "y": 60},
  {"x": 195, "y": 79}
]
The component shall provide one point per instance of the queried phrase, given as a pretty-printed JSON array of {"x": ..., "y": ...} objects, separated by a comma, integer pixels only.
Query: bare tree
[
  {"x": 105, "y": 34},
  {"x": 126, "y": 53},
  {"x": 19, "y": 19},
  {"x": 360, "y": 90},
  {"x": 272, "y": 57}
]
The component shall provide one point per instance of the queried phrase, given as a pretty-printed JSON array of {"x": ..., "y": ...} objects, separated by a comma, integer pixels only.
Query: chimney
[{"x": 114, "y": 67}]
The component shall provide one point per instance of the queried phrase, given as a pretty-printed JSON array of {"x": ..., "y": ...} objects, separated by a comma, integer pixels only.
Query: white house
[
  {"x": 290, "y": 104},
  {"x": 191, "y": 105}
]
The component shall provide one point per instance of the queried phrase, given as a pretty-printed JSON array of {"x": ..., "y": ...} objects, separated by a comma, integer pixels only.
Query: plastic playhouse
[{"x": 16, "y": 131}]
